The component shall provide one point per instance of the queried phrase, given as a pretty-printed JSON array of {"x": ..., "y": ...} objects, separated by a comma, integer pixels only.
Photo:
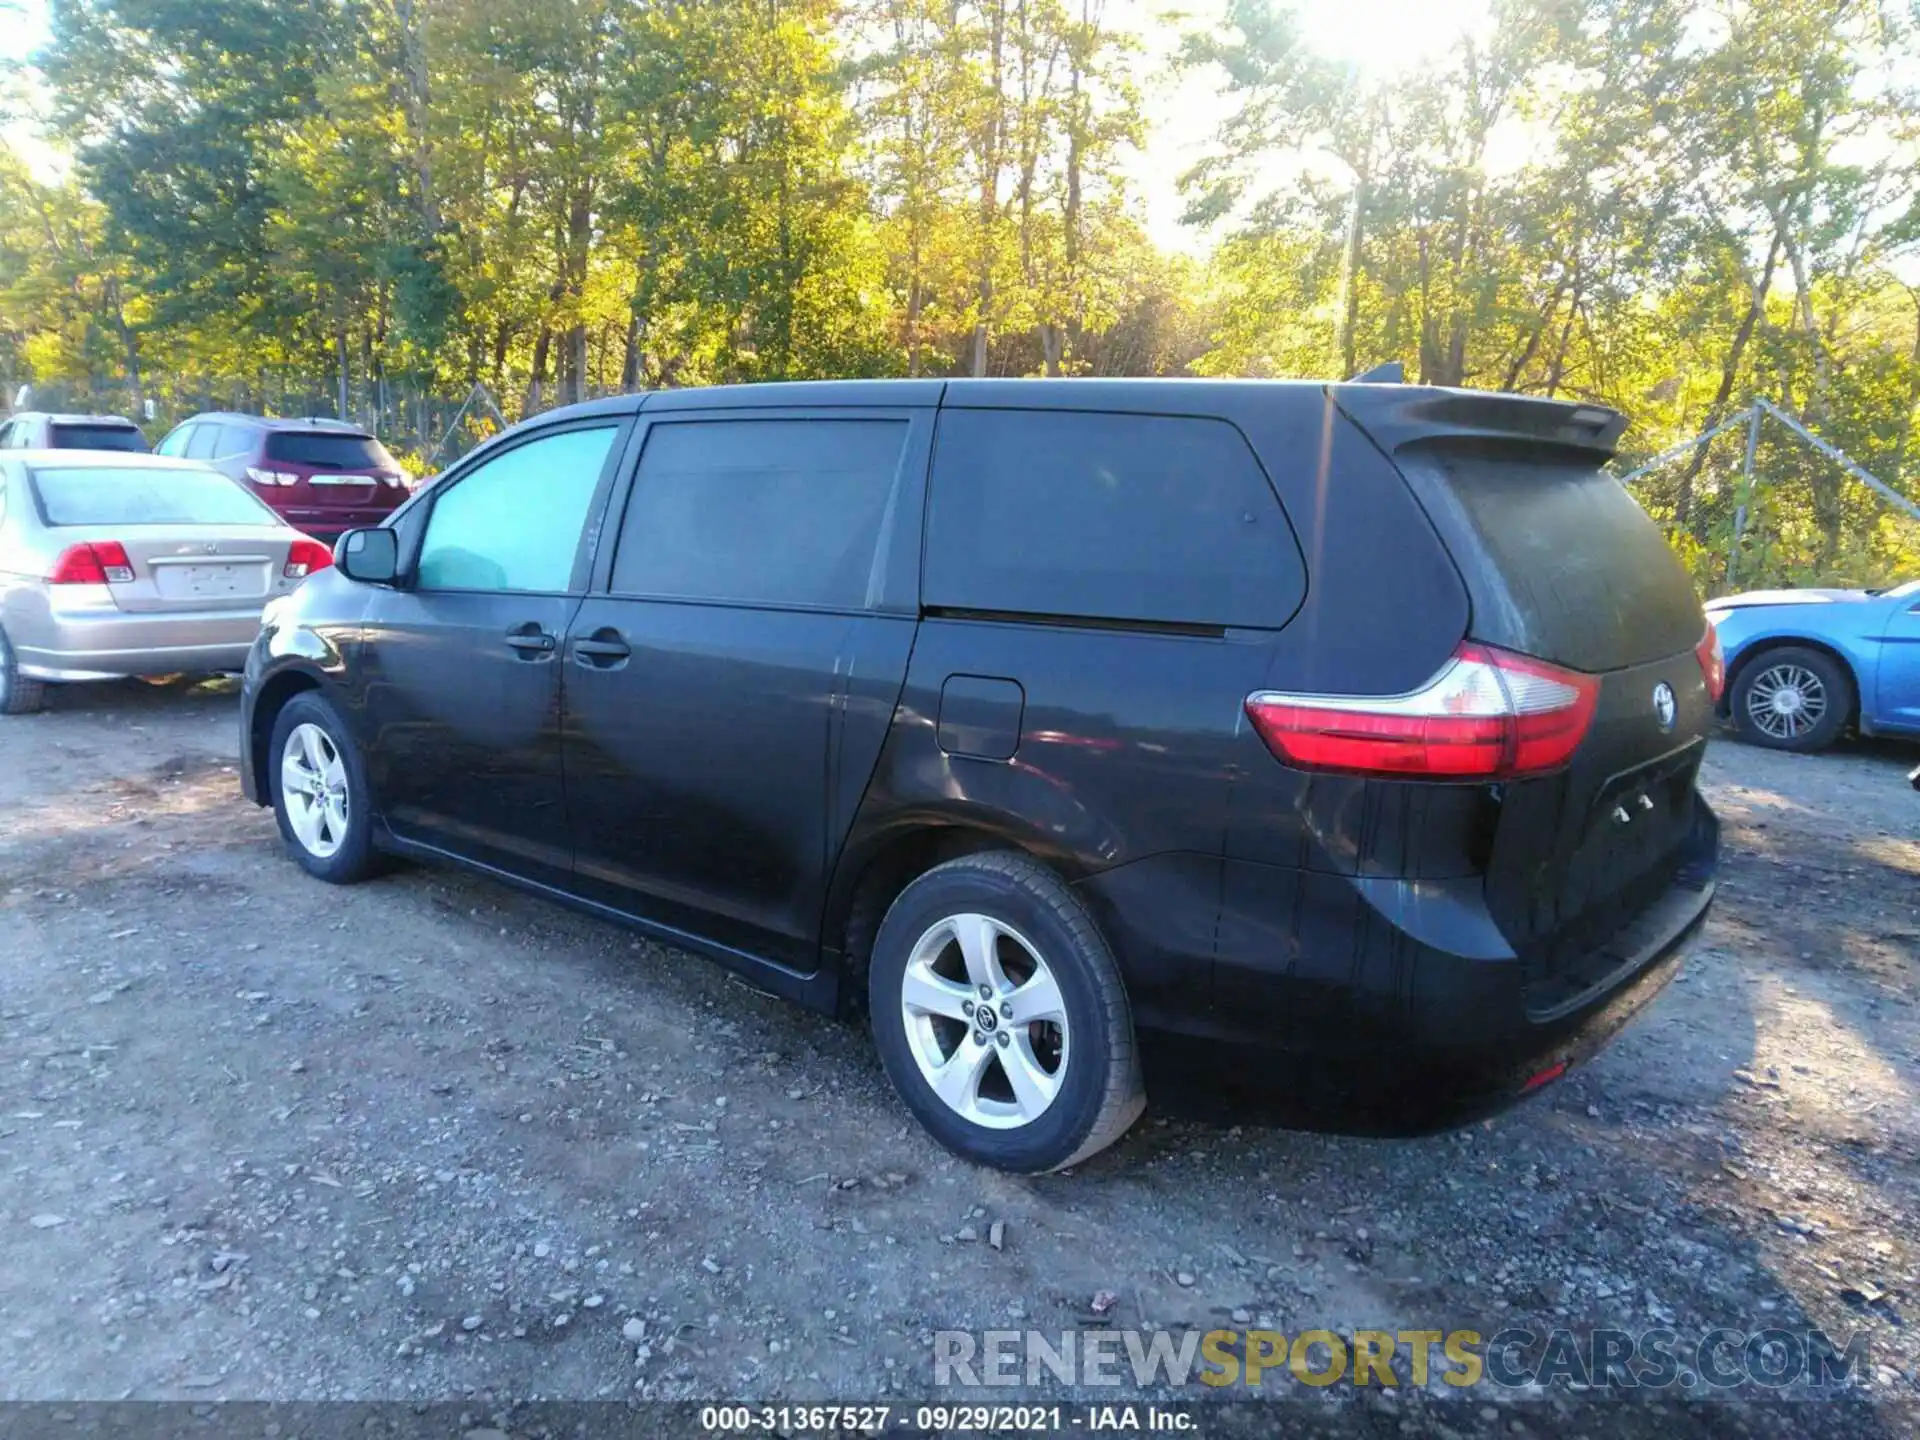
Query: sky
[{"x": 1181, "y": 111}]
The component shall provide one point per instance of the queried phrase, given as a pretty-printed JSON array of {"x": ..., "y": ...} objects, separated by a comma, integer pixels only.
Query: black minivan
[{"x": 1348, "y": 730}]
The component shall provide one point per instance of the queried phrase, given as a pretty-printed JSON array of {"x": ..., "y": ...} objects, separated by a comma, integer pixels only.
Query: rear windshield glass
[
  {"x": 1560, "y": 561},
  {"x": 98, "y": 437},
  {"x": 327, "y": 450},
  {"x": 102, "y": 495}
]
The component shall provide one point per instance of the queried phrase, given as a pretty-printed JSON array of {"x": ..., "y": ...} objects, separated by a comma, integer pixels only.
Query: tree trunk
[
  {"x": 1729, "y": 374},
  {"x": 1824, "y": 485},
  {"x": 340, "y": 359},
  {"x": 130, "y": 346},
  {"x": 1558, "y": 369},
  {"x": 573, "y": 360},
  {"x": 541, "y": 348},
  {"x": 502, "y": 338},
  {"x": 914, "y": 303},
  {"x": 574, "y": 389},
  {"x": 630, "y": 359},
  {"x": 1053, "y": 344},
  {"x": 1347, "y": 315},
  {"x": 413, "y": 63},
  {"x": 1069, "y": 342},
  {"x": 1537, "y": 333},
  {"x": 1896, "y": 471},
  {"x": 989, "y": 159}
]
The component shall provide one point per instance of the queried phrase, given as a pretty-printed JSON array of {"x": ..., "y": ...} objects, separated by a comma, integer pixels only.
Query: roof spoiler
[
  {"x": 1391, "y": 373},
  {"x": 1400, "y": 415}
]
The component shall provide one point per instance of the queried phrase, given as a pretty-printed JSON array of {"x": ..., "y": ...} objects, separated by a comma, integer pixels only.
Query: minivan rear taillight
[
  {"x": 104, "y": 562},
  {"x": 1488, "y": 715},
  {"x": 1713, "y": 663},
  {"x": 304, "y": 557}
]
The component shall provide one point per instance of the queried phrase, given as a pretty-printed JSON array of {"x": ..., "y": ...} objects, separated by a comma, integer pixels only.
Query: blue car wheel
[{"x": 1793, "y": 698}]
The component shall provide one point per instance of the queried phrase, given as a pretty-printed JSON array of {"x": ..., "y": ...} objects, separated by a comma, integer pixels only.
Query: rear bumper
[
  {"x": 1356, "y": 1016},
  {"x": 329, "y": 523},
  {"x": 105, "y": 645}
]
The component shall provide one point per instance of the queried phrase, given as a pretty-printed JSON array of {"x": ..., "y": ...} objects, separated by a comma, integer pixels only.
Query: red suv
[{"x": 322, "y": 476}]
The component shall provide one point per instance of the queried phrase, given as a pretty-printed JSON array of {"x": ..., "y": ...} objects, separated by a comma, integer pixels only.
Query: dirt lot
[{"x": 429, "y": 1138}]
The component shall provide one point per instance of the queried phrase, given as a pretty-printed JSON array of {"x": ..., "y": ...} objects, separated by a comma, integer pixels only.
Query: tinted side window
[
  {"x": 231, "y": 440},
  {"x": 777, "y": 512},
  {"x": 1111, "y": 517},
  {"x": 200, "y": 444},
  {"x": 175, "y": 443},
  {"x": 513, "y": 522}
]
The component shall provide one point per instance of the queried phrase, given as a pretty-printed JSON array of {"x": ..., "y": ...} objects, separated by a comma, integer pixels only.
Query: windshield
[
  {"x": 98, "y": 437},
  {"x": 111, "y": 495},
  {"x": 328, "y": 450}
]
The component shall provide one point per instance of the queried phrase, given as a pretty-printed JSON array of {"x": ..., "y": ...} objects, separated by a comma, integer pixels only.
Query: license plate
[{"x": 207, "y": 582}]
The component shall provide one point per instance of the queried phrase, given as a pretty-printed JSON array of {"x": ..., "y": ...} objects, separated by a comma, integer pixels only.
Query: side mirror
[{"x": 370, "y": 556}]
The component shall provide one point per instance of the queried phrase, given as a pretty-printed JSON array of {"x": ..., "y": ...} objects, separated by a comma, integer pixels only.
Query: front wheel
[
  {"x": 320, "y": 792},
  {"x": 1001, "y": 1017},
  {"x": 1793, "y": 698}
]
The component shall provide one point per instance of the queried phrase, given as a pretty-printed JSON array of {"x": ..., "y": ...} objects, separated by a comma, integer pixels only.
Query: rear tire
[
  {"x": 320, "y": 794},
  {"x": 1793, "y": 698},
  {"x": 19, "y": 695},
  {"x": 1041, "y": 1072}
]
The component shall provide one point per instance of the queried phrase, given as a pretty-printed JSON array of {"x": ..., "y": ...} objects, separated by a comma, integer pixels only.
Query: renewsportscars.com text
[{"x": 1722, "y": 1359}]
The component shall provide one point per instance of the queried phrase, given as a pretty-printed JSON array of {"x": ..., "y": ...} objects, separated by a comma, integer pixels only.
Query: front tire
[
  {"x": 320, "y": 794},
  {"x": 1793, "y": 698},
  {"x": 19, "y": 695},
  {"x": 1001, "y": 1017}
]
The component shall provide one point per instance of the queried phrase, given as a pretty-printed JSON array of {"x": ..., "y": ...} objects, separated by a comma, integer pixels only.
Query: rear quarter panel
[
  {"x": 25, "y": 557},
  {"x": 1126, "y": 747}
]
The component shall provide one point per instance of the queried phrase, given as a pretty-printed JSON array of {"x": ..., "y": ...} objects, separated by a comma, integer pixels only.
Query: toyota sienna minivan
[{"x": 1349, "y": 729}]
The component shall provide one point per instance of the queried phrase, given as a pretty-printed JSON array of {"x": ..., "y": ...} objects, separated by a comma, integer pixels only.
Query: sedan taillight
[
  {"x": 1713, "y": 663},
  {"x": 304, "y": 557},
  {"x": 103, "y": 562},
  {"x": 1488, "y": 715}
]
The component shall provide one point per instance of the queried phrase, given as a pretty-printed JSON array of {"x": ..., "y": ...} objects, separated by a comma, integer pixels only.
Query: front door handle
[
  {"x": 605, "y": 649},
  {"x": 531, "y": 641}
]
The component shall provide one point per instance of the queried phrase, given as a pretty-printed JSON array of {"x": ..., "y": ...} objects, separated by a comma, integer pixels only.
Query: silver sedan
[{"x": 114, "y": 565}]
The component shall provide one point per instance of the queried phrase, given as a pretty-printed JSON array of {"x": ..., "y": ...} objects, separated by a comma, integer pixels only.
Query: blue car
[{"x": 1803, "y": 665}]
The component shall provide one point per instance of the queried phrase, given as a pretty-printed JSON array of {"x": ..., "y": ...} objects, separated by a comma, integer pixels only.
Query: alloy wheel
[
  {"x": 313, "y": 787},
  {"x": 985, "y": 1021},
  {"x": 1786, "y": 701}
]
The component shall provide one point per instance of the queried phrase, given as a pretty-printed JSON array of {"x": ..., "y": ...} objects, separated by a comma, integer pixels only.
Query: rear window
[
  {"x": 1559, "y": 560},
  {"x": 328, "y": 450},
  {"x": 98, "y": 437},
  {"x": 1139, "y": 518},
  {"x": 104, "y": 495}
]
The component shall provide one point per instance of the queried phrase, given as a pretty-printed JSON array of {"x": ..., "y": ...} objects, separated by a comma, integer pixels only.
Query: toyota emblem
[{"x": 1665, "y": 708}]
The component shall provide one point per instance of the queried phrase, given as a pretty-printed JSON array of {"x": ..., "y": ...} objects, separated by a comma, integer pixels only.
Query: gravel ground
[{"x": 432, "y": 1139}]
